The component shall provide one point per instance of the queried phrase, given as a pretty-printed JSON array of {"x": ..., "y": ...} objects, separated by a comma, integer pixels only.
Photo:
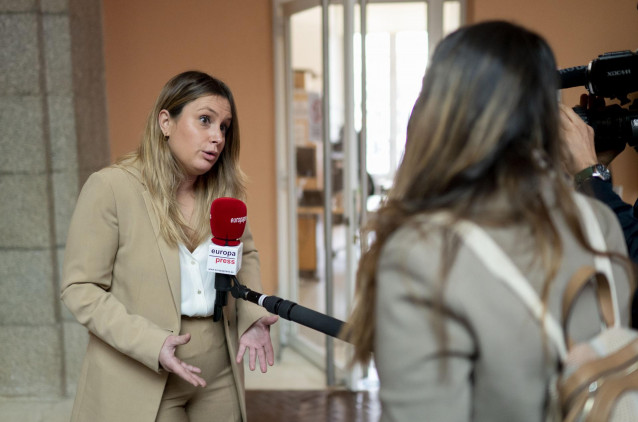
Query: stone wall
[{"x": 53, "y": 133}]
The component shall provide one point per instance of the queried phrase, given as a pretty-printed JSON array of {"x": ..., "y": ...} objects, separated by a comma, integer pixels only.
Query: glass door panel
[
  {"x": 396, "y": 57},
  {"x": 328, "y": 152},
  {"x": 321, "y": 282},
  {"x": 307, "y": 118}
]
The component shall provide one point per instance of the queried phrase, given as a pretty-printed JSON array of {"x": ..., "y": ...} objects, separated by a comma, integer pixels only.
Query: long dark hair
[{"x": 484, "y": 130}]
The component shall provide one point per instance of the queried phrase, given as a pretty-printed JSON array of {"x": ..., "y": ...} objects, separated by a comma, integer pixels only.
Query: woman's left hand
[{"x": 257, "y": 340}]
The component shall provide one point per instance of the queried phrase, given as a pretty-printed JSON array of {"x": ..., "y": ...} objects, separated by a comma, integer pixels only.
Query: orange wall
[
  {"x": 578, "y": 31},
  {"x": 147, "y": 42}
]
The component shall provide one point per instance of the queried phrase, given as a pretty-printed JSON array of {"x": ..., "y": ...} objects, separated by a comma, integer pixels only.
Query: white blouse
[{"x": 198, "y": 284}]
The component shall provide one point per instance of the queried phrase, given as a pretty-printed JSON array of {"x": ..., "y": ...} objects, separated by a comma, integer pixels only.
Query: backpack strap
[
  {"x": 497, "y": 261},
  {"x": 602, "y": 262},
  {"x": 583, "y": 276}
]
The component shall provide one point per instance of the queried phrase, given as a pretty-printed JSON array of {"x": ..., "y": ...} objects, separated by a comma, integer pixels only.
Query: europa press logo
[
  {"x": 225, "y": 253},
  {"x": 225, "y": 259}
]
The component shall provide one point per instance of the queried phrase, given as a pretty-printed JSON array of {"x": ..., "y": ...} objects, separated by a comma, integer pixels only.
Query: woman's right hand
[{"x": 173, "y": 364}]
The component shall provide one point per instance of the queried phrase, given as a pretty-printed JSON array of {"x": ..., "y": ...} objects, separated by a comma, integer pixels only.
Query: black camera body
[{"x": 611, "y": 75}]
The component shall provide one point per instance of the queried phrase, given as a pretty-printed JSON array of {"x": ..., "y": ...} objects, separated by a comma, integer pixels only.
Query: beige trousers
[{"x": 218, "y": 401}]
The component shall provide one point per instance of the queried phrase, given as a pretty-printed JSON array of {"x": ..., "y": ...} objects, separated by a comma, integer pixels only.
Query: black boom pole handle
[
  {"x": 291, "y": 311},
  {"x": 302, "y": 315}
]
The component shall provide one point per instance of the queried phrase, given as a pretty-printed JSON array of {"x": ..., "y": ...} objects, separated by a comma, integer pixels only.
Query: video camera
[{"x": 611, "y": 75}]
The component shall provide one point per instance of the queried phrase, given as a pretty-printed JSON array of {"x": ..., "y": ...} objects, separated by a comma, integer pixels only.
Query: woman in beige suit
[
  {"x": 451, "y": 341},
  {"x": 135, "y": 270}
]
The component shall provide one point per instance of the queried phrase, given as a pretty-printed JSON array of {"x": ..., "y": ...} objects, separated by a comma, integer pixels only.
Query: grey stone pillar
[{"x": 53, "y": 133}]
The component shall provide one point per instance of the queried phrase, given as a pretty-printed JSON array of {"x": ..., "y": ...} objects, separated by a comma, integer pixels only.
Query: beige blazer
[
  {"x": 494, "y": 364},
  {"x": 122, "y": 281}
]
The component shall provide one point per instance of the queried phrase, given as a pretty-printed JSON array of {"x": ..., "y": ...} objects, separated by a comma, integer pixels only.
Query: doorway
[{"x": 347, "y": 74}]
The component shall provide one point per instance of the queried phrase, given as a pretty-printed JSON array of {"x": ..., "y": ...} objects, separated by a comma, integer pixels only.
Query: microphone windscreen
[{"x": 227, "y": 220}]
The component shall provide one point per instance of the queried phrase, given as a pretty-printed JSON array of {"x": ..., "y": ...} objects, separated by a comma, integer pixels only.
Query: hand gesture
[
  {"x": 578, "y": 138},
  {"x": 257, "y": 340},
  {"x": 171, "y": 363}
]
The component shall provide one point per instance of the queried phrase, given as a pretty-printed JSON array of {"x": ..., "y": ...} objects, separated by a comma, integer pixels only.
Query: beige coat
[
  {"x": 122, "y": 281},
  {"x": 493, "y": 366}
]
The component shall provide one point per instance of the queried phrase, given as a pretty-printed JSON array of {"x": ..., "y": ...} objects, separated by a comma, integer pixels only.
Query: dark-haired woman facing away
[{"x": 451, "y": 341}]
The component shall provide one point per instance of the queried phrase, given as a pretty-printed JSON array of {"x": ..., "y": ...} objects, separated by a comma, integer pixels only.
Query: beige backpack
[{"x": 599, "y": 377}]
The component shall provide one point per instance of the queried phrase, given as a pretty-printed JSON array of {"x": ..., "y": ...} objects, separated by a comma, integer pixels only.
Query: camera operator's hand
[
  {"x": 578, "y": 140},
  {"x": 579, "y": 137},
  {"x": 590, "y": 102}
]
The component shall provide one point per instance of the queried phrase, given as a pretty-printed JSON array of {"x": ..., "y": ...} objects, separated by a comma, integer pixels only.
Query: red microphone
[
  {"x": 227, "y": 221},
  {"x": 227, "y": 224}
]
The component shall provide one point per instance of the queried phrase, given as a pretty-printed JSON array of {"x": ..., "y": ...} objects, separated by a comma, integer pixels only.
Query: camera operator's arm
[{"x": 581, "y": 163}]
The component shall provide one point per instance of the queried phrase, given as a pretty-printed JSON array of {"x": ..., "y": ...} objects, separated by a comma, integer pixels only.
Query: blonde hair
[
  {"x": 162, "y": 173},
  {"x": 485, "y": 125}
]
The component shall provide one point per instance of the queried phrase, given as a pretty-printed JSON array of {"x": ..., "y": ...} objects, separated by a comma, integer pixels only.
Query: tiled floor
[
  {"x": 312, "y": 406},
  {"x": 294, "y": 390}
]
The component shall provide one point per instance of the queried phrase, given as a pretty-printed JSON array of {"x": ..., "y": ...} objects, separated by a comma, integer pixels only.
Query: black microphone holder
[{"x": 275, "y": 305}]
